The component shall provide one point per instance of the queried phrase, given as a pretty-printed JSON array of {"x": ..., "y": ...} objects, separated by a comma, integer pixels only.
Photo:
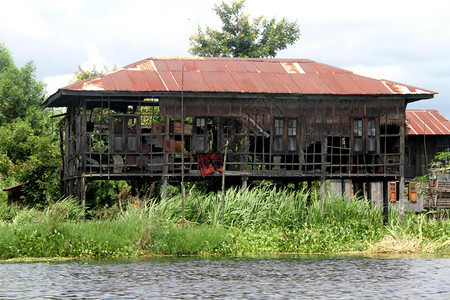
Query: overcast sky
[{"x": 401, "y": 40}]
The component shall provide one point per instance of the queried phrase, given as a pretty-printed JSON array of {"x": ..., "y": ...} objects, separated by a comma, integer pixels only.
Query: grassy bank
[{"x": 263, "y": 220}]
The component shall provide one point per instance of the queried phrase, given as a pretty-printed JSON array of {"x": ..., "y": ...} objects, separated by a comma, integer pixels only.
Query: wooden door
[
  {"x": 393, "y": 191},
  {"x": 412, "y": 191}
]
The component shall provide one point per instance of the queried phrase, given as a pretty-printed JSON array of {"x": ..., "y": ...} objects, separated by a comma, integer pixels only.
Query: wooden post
[
  {"x": 183, "y": 192},
  {"x": 244, "y": 184},
  {"x": 323, "y": 188},
  {"x": 69, "y": 188},
  {"x": 401, "y": 187},
  {"x": 385, "y": 202},
  {"x": 83, "y": 148},
  {"x": 246, "y": 147},
  {"x": 83, "y": 190},
  {"x": 166, "y": 159},
  {"x": 223, "y": 184},
  {"x": 164, "y": 188}
]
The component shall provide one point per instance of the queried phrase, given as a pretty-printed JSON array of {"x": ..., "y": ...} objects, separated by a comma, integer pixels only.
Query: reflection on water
[{"x": 281, "y": 277}]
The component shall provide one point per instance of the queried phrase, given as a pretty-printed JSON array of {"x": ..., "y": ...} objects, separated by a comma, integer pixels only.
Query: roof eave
[
  {"x": 62, "y": 96},
  {"x": 56, "y": 100},
  {"x": 416, "y": 97}
]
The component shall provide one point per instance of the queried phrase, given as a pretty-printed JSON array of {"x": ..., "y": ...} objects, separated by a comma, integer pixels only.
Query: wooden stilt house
[
  {"x": 428, "y": 133},
  {"x": 287, "y": 119}
]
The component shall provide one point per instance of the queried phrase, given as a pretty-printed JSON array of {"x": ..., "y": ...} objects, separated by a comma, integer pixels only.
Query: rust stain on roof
[
  {"x": 241, "y": 75},
  {"x": 426, "y": 121},
  {"x": 293, "y": 67}
]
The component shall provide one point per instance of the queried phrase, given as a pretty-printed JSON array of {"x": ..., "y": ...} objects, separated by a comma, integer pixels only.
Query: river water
[{"x": 272, "y": 277}]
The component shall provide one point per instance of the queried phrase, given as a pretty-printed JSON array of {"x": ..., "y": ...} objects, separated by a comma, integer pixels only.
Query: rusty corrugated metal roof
[
  {"x": 426, "y": 121},
  {"x": 245, "y": 75},
  {"x": 236, "y": 75}
]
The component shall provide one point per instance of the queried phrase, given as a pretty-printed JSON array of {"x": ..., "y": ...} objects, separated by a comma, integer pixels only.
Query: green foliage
[
  {"x": 81, "y": 74},
  {"x": 440, "y": 161},
  {"x": 28, "y": 140},
  {"x": 242, "y": 37},
  {"x": 83, "y": 239},
  {"x": 30, "y": 158},
  {"x": 417, "y": 233},
  {"x": 60, "y": 230},
  {"x": 103, "y": 192},
  {"x": 7, "y": 212},
  {"x": 6, "y": 60},
  {"x": 64, "y": 210},
  {"x": 256, "y": 227},
  {"x": 265, "y": 206},
  {"x": 174, "y": 240},
  {"x": 19, "y": 89},
  {"x": 422, "y": 226}
]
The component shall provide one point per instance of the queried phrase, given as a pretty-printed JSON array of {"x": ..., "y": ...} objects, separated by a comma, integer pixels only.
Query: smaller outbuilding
[
  {"x": 428, "y": 133},
  {"x": 15, "y": 194}
]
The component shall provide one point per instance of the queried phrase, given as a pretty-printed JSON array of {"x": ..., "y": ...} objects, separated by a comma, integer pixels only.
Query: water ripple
[{"x": 300, "y": 277}]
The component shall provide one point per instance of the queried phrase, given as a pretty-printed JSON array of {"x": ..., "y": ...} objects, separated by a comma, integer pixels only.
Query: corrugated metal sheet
[
  {"x": 426, "y": 121},
  {"x": 209, "y": 74}
]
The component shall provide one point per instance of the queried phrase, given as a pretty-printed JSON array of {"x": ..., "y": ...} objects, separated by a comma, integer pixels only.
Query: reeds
[
  {"x": 263, "y": 206},
  {"x": 417, "y": 234},
  {"x": 264, "y": 219}
]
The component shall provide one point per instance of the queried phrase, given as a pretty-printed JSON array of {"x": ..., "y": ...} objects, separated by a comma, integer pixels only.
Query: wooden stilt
[
  {"x": 164, "y": 188},
  {"x": 83, "y": 191},
  {"x": 244, "y": 184},
  {"x": 385, "y": 202},
  {"x": 166, "y": 159},
  {"x": 401, "y": 187},
  {"x": 323, "y": 182}
]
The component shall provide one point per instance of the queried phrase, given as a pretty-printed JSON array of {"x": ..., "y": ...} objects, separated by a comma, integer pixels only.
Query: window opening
[
  {"x": 292, "y": 135},
  {"x": 278, "y": 138},
  {"x": 365, "y": 135},
  {"x": 285, "y": 135},
  {"x": 292, "y": 127},
  {"x": 371, "y": 136},
  {"x": 200, "y": 125},
  {"x": 279, "y": 126},
  {"x": 358, "y": 135}
]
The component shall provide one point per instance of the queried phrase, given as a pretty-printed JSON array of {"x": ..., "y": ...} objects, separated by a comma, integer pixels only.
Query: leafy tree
[
  {"x": 81, "y": 74},
  {"x": 19, "y": 89},
  {"x": 242, "y": 37},
  {"x": 29, "y": 150}
]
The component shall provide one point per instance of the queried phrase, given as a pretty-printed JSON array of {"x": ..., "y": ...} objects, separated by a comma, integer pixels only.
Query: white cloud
[
  {"x": 22, "y": 20},
  {"x": 379, "y": 72},
  {"x": 402, "y": 40},
  {"x": 64, "y": 6},
  {"x": 56, "y": 82},
  {"x": 94, "y": 59}
]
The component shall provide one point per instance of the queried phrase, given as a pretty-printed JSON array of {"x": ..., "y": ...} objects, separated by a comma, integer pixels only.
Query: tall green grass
[
  {"x": 264, "y": 206},
  {"x": 417, "y": 233},
  {"x": 265, "y": 219},
  {"x": 269, "y": 219}
]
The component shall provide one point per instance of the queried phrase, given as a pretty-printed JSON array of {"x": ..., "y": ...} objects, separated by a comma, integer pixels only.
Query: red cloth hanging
[{"x": 210, "y": 162}]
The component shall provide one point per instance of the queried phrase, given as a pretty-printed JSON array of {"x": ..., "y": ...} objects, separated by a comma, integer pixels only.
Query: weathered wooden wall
[
  {"x": 421, "y": 151},
  {"x": 129, "y": 139}
]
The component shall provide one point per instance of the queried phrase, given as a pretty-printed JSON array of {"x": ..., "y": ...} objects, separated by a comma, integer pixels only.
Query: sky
[{"x": 407, "y": 41}]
